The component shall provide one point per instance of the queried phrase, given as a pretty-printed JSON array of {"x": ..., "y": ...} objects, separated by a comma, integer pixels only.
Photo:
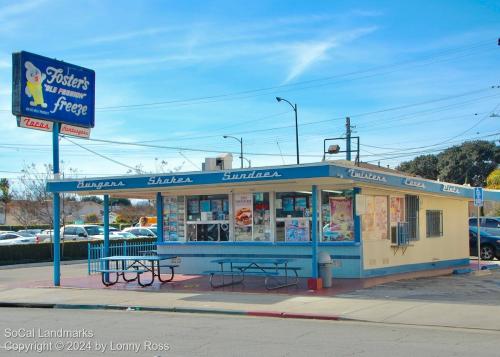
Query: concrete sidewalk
[{"x": 457, "y": 315}]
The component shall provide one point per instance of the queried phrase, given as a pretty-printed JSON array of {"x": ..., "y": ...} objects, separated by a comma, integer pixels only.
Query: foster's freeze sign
[{"x": 52, "y": 90}]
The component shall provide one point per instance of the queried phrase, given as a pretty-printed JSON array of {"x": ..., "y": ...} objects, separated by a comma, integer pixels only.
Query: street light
[
  {"x": 240, "y": 140},
  {"x": 294, "y": 107}
]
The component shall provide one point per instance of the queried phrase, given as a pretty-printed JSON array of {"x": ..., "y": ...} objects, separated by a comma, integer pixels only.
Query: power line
[
  {"x": 101, "y": 155},
  {"x": 289, "y": 85}
]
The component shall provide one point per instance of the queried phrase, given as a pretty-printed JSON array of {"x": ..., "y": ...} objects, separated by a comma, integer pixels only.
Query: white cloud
[
  {"x": 308, "y": 53},
  {"x": 8, "y": 11}
]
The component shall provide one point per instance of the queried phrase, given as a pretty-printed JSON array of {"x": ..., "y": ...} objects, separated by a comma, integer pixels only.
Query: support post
[
  {"x": 478, "y": 238},
  {"x": 314, "y": 232},
  {"x": 159, "y": 218},
  {"x": 314, "y": 283},
  {"x": 56, "y": 207},
  {"x": 105, "y": 219}
]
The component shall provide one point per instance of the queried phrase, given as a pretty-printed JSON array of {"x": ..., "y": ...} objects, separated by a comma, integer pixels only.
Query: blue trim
[
  {"x": 270, "y": 174},
  {"x": 236, "y": 255},
  {"x": 56, "y": 211},
  {"x": 408, "y": 268},
  {"x": 106, "y": 233},
  {"x": 341, "y": 244},
  {"x": 314, "y": 260},
  {"x": 159, "y": 218},
  {"x": 347, "y": 257},
  {"x": 280, "y": 244},
  {"x": 357, "y": 219}
]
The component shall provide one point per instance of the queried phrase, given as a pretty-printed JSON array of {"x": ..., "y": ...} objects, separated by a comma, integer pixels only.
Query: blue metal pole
[
  {"x": 56, "y": 207},
  {"x": 314, "y": 232},
  {"x": 159, "y": 217},
  {"x": 105, "y": 219}
]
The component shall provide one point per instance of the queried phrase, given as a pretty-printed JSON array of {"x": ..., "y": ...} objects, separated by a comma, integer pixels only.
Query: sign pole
[
  {"x": 478, "y": 239},
  {"x": 56, "y": 207}
]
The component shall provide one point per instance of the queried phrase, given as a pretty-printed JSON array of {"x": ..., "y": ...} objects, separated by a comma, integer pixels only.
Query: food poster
[
  {"x": 297, "y": 230},
  {"x": 205, "y": 206},
  {"x": 397, "y": 210},
  {"x": 300, "y": 204},
  {"x": 375, "y": 220},
  {"x": 193, "y": 206},
  {"x": 341, "y": 226},
  {"x": 287, "y": 204},
  {"x": 381, "y": 217},
  {"x": 243, "y": 218},
  {"x": 170, "y": 221},
  {"x": 367, "y": 219}
]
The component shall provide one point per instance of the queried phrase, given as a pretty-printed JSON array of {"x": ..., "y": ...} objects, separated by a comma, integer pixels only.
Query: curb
[{"x": 273, "y": 314}]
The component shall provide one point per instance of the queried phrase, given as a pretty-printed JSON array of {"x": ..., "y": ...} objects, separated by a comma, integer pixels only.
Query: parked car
[
  {"x": 142, "y": 231},
  {"x": 14, "y": 238},
  {"x": 32, "y": 231},
  {"x": 490, "y": 244},
  {"x": 73, "y": 232},
  {"x": 126, "y": 235},
  {"x": 487, "y": 224}
]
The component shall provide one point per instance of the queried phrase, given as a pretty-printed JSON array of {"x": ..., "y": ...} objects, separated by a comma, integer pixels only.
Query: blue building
[{"x": 371, "y": 221}]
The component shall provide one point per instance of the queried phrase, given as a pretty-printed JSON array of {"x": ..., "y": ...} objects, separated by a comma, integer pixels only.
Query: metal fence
[{"x": 96, "y": 251}]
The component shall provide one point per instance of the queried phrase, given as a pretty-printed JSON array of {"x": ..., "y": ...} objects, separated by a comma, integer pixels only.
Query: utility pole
[{"x": 348, "y": 138}]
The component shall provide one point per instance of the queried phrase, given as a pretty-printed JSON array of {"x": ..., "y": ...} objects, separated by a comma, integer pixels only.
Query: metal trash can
[{"x": 325, "y": 269}]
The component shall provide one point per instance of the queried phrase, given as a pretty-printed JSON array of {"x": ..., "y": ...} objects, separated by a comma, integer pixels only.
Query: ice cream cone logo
[{"x": 34, "y": 88}]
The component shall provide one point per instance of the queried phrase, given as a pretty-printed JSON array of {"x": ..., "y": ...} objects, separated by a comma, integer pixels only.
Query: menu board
[
  {"x": 341, "y": 222},
  {"x": 297, "y": 230},
  {"x": 243, "y": 209}
]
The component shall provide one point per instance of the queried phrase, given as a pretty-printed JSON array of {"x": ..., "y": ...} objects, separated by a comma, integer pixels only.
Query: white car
[
  {"x": 116, "y": 235},
  {"x": 14, "y": 238},
  {"x": 142, "y": 231}
]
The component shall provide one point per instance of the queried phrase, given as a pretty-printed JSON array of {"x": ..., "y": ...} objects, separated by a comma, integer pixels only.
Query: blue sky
[{"x": 435, "y": 61}]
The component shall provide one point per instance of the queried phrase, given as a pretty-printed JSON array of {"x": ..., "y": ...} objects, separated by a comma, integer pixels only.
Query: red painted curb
[{"x": 293, "y": 315}]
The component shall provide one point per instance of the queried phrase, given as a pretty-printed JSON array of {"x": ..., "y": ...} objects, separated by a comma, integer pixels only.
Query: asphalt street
[{"x": 137, "y": 333}]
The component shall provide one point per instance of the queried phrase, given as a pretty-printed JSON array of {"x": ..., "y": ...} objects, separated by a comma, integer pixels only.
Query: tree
[
  {"x": 91, "y": 218},
  {"x": 470, "y": 162},
  {"x": 5, "y": 191},
  {"x": 493, "y": 180},
  {"x": 34, "y": 202},
  {"x": 95, "y": 199},
  {"x": 425, "y": 166},
  {"x": 120, "y": 202}
]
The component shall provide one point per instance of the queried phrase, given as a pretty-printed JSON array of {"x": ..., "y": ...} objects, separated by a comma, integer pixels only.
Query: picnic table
[
  {"x": 237, "y": 268},
  {"x": 136, "y": 265}
]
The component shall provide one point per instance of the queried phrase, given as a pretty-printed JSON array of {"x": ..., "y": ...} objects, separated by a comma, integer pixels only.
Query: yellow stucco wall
[{"x": 454, "y": 244}]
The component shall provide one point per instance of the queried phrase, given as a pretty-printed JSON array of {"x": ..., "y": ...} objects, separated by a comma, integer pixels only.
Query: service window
[
  {"x": 207, "y": 218},
  {"x": 337, "y": 215},
  {"x": 293, "y": 216}
]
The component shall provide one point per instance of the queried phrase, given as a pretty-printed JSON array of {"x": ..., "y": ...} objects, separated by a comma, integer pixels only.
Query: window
[
  {"x": 70, "y": 231},
  {"x": 411, "y": 209},
  {"x": 337, "y": 219},
  {"x": 293, "y": 216},
  {"x": 434, "y": 223},
  {"x": 492, "y": 223},
  {"x": 207, "y": 218}
]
